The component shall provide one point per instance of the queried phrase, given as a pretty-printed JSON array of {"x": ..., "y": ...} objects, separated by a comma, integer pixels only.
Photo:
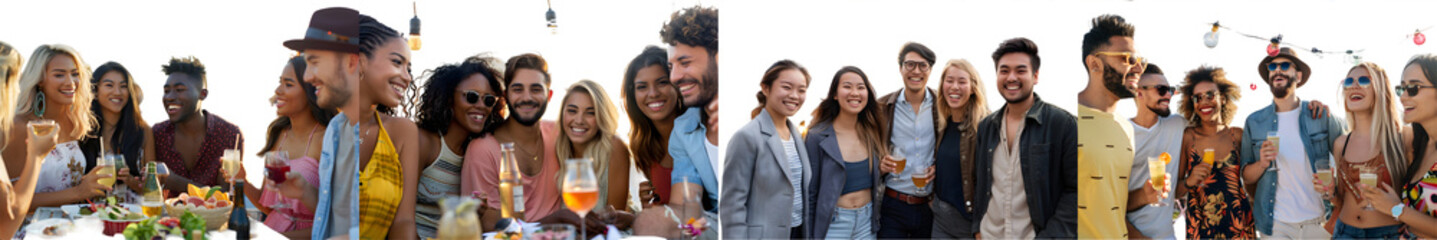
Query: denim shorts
[{"x": 1344, "y": 231}]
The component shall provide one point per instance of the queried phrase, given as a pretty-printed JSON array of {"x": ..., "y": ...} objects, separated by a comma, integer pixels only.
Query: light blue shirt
[
  {"x": 913, "y": 133},
  {"x": 691, "y": 157},
  {"x": 326, "y": 180}
]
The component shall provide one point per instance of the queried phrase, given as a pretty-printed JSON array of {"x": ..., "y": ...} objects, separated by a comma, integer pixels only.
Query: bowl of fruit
[
  {"x": 209, "y": 203},
  {"x": 116, "y": 217}
]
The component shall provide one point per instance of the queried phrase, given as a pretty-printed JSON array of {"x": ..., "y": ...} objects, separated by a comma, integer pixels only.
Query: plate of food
[{"x": 54, "y": 227}]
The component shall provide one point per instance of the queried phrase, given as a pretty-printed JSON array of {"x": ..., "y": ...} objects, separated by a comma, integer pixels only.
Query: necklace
[
  {"x": 534, "y": 156},
  {"x": 366, "y": 131}
]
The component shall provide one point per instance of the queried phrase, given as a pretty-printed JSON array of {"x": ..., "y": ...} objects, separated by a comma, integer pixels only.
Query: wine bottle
[{"x": 239, "y": 219}]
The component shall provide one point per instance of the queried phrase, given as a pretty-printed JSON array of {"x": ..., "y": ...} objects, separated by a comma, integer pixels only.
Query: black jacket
[{"x": 1049, "y": 159}]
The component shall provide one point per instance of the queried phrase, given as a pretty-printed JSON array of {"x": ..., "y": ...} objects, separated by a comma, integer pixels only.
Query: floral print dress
[{"x": 1219, "y": 207}]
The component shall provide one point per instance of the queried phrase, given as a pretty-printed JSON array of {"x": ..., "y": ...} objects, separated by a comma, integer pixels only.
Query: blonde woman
[
  {"x": 588, "y": 121},
  {"x": 55, "y": 86},
  {"x": 961, "y": 108},
  {"x": 1375, "y": 143},
  {"x": 15, "y": 194}
]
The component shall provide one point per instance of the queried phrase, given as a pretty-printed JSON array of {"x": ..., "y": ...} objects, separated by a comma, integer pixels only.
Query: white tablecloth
[{"x": 92, "y": 228}]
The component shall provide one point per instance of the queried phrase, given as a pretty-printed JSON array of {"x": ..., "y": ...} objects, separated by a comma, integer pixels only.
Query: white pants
[{"x": 1307, "y": 229}]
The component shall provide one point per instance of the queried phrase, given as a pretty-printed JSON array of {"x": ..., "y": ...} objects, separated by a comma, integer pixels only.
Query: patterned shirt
[{"x": 220, "y": 135}]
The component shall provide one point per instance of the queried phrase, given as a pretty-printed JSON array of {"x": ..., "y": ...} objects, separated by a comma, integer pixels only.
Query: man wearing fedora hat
[
  {"x": 331, "y": 48},
  {"x": 1282, "y": 171}
]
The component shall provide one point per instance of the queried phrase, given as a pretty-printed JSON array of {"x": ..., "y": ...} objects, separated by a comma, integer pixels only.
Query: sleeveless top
[
  {"x": 381, "y": 186},
  {"x": 293, "y": 217},
  {"x": 661, "y": 178},
  {"x": 1219, "y": 208},
  {"x": 857, "y": 176},
  {"x": 63, "y": 168},
  {"x": 439, "y": 180},
  {"x": 1349, "y": 174},
  {"x": 1421, "y": 195}
]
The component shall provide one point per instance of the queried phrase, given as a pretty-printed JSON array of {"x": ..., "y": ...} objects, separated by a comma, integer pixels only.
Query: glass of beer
[
  {"x": 921, "y": 178},
  {"x": 1158, "y": 170},
  {"x": 43, "y": 127},
  {"x": 900, "y": 159}
]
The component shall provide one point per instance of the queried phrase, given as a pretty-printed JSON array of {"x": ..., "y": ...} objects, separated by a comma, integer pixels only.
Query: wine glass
[
  {"x": 901, "y": 159},
  {"x": 581, "y": 188},
  {"x": 1368, "y": 177},
  {"x": 43, "y": 127},
  {"x": 920, "y": 178},
  {"x": 276, "y": 165}
]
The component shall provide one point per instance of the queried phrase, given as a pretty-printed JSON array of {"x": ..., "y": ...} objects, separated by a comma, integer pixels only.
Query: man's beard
[
  {"x": 527, "y": 121},
  {"x": 1162, "y": 112},
  {"x": 1282, "y": 92},
  {"x": 338, "y": 95},
  {"x": 709, "y": 83},
  {"x": 1114, "y": 83}
]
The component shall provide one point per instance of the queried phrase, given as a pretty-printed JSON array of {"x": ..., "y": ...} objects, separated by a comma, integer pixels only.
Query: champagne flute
[
  {"x": 1324, "y": 173},
  {"x": 1157, "y": 170},
  {"x": 1368, "y": 177},
  {"x": 230, "y": 164},
  {"x": 276, "y": 166},
  {"x": 1273, "y": 138},
  {"x": 581, "y": 189}
]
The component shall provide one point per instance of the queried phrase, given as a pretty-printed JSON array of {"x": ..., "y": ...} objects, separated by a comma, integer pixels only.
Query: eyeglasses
[
  {"x": 1162, "y": 89},
  {"x": 473, "y": 98},
  {"x": 1273, "y": 66},
  {"x": 1360, "y": 81},
  {"x": 1128, "y": 57},
  {"x": 910, "y": 65},
  {"x": 1207, "y": 96},
  {"x": 1410, "y": 89}
]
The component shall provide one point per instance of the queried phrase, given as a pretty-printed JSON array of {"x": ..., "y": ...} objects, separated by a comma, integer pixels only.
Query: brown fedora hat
[
  {"x": 1288, "y": 53},
  {"x": 333, "y": 29}
]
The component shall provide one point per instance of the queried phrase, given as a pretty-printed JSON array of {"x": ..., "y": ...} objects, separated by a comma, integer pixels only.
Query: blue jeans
[
  {"x": 1344, "y": 231},
  {"x": 854, "y": 223}
]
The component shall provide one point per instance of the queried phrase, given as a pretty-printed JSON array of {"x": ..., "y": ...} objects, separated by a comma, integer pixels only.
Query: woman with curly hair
[{"x": 1217, "y": 203}]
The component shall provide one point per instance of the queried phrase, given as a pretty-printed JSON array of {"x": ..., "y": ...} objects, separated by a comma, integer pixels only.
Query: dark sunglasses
[
  {"x": 1360, "y": 81},
  {"x": 1274, "y": 66},
  {"x": 473, "y": 98},
  {"x": 1207, "y": 96},
  {"x": 1162, "y": 89},
  {"x": 1128, "y": 57},
  {"x": 1410, "y": 89}
]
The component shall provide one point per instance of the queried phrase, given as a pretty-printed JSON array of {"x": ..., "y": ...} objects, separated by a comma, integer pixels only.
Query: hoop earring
[{"x": 39, "y": 106}]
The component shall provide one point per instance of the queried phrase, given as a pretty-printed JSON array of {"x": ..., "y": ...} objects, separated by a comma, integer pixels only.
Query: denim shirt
[
  {"x": 691, "y": 158},
  {"x": 326, "y": 176},
  {"x": 1320, "y": 134}
]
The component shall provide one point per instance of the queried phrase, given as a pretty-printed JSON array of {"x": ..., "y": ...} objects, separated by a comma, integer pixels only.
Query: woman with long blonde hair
[
  {"x": 961, "y": 108},
  {"x": 15, "y": 195},
  {"x": 55, "y": 86},
  {"x": 589, "y": 122},
  {"x": 1374, "y": 145}
]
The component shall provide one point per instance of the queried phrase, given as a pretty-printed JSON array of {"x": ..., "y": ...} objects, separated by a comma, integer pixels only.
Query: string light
[
  {"x": 1272, "y": 48},
  {"x": 1419, "y": 38},
  {"x": 553, "y": 23},
  {"x": 1210, "y": 38},
  {"x": 414, "y": 42}
]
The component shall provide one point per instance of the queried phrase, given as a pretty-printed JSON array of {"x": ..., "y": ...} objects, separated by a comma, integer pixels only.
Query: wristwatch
[{"x": 1397, "y": 211}]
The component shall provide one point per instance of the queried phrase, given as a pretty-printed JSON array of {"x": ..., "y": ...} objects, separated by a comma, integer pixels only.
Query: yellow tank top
[{"x": 380, "y": 188}]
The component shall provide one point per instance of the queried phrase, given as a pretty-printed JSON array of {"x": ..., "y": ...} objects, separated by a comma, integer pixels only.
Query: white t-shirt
[
  {"x": 1296, "y": 200},
  {"x": 714, "y": 161}
]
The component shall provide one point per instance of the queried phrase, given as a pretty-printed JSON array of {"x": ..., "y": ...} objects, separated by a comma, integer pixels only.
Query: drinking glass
[
  {"x": 276, "y": 166},
  {"x": 581, "y": 189}
]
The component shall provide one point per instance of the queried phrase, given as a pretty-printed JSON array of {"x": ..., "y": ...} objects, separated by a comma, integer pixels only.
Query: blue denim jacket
[
  {"x": 1321, "y": 134},
  {"x": 326, "y": 176},
  {"x": 691, "y": 158}
]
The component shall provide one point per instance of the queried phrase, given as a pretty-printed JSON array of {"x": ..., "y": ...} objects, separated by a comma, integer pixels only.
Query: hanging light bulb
[
  {"x": 1209, "y": 39},
  {"x": 414, "y": 42},
  {"x": 1419, "y": 38},
  {"x": 1272, "y": 48},
  {"x": 549, "y": 17}
]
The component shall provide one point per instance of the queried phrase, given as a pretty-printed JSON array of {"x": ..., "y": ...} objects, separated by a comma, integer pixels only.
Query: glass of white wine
[{"x": 43, "y": 127}]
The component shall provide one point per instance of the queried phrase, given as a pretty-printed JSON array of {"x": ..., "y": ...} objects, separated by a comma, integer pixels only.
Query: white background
[{"x": 240, "y": 42}]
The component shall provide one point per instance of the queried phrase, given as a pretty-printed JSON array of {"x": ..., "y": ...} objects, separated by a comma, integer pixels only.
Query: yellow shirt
[{"x": 1105, "y": 158}]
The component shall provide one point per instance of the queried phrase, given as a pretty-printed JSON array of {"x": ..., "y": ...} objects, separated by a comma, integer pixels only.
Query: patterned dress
[
  {"x": 1421, "y": 195},
  {"x": 381, "y": 186},
  {"x": 1219, "y": 207}
]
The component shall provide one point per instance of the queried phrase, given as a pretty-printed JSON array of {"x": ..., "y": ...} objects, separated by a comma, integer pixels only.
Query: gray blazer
[{"x": 756, "y": 200}]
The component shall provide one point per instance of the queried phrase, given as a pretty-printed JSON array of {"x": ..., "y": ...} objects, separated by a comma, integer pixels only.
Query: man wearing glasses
[
  {"x": 1155, "y": 131},
  {"x": 903, "y": 212},
  {"x": 1107, "y": 174},
  {"x": 1283, "y": 172}
]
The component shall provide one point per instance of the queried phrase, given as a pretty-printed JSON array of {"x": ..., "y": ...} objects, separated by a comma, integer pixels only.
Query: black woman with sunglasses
[
  {"x": 1208, "y": 175},
  {"x": 460, "y": 102}
]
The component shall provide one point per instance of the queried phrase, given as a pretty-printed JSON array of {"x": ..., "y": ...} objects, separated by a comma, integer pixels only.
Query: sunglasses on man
[
  {"x": 1274, "y": 66},
  {"x": 1162, "y": 89}
]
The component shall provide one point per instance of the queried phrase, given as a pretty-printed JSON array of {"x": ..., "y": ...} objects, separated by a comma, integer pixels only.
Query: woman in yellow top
[{"x": 389, "y": 161}]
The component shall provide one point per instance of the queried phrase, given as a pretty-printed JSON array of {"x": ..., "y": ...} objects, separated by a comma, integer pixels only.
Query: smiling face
[
  {"x": 528, "y": 96},
  {"x": 471, "y": 115},
  {"x": 580, "y": 119},
  {"x": 182, "y": 96},
  {"x": 656, "y": 96},
  {"x": 289, "y": 96},
  {"x": 61, "y": 77},
  {"x": 113, "y": 92},
  {"x": 1422, "y": 107},
  {"x": 1120, "y": 76},
  {"x": 852, "y": 93},
  {"x": 915, "y": 78},
  {"x": 786, "y": 94},
  {"x": 326, "y": 71},
  {"x": 692, "y": 67},
  {"x": 386, "y": 75},
  {"x": 1358, "y": 98},
  {"x": 1016, "y": 77},
  {"x": 1283, "y": 81},
  {"x": 957, "y": 87},
  {"x": 1150, "y": 98},
  {"x": 1207, "y": 100}
]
